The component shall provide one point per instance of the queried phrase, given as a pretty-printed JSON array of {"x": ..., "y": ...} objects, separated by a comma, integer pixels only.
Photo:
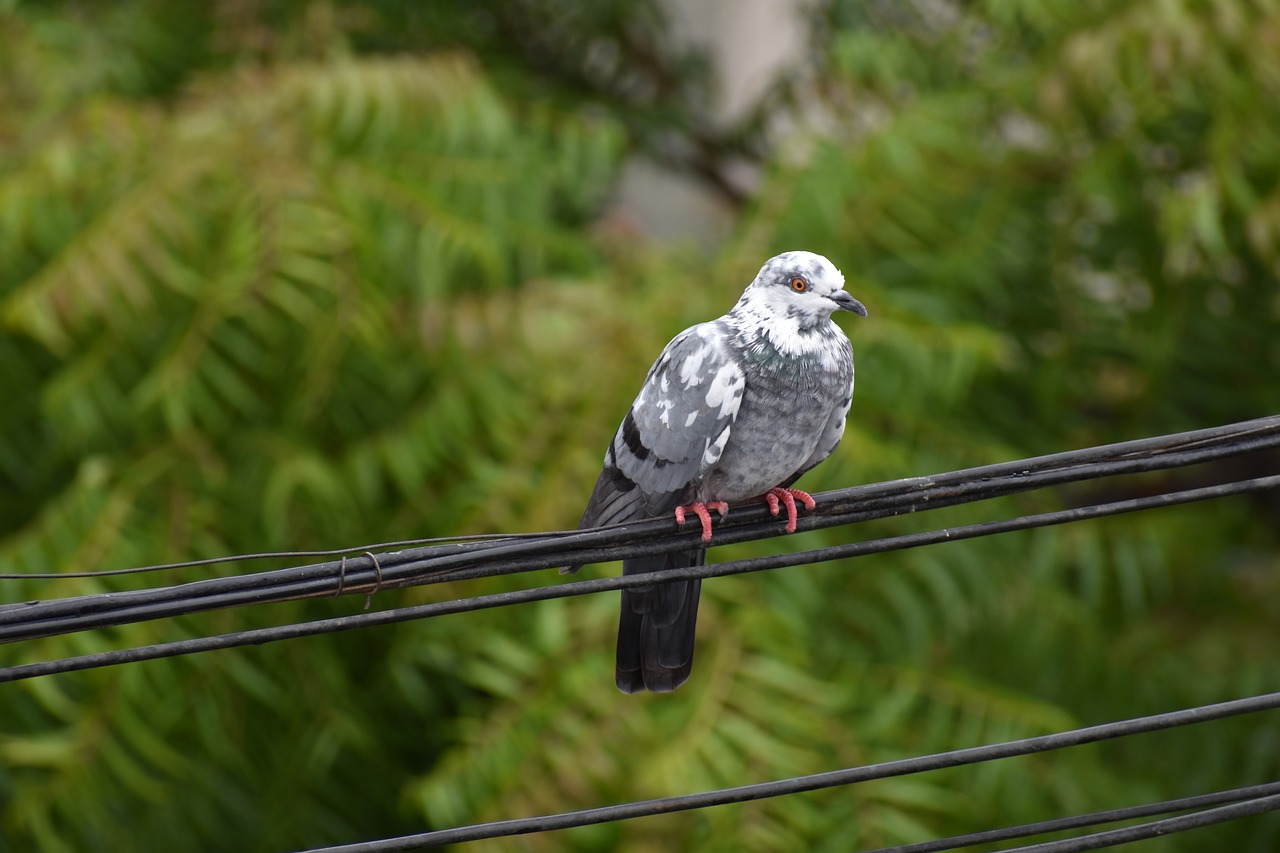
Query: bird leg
[
  {"x": 780, "y": 496},
  {"x": 700, "y": 510}
]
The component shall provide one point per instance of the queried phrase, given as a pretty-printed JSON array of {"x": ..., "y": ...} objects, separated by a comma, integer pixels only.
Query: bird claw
[
  {"x": 779, "y": 497},
  {"x": 700, "y": 510}
]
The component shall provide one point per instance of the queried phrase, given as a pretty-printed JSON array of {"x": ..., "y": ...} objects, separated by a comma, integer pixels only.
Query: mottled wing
[
  {"x": 670, "y": 439},
  {"x": 675, "y": 431}
]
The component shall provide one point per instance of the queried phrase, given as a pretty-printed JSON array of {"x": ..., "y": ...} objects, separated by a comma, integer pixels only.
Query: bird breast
[{"x": 783, "y": 416}]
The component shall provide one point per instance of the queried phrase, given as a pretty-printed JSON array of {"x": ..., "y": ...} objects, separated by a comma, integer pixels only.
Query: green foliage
[
  {"x": 315, "y": 274},
  {"x": 1095, "y": 182}
]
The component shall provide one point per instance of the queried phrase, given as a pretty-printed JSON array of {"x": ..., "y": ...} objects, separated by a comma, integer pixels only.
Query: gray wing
[
  {"x": 670, "y": 439},
  {"x": 675, "y": 431}
]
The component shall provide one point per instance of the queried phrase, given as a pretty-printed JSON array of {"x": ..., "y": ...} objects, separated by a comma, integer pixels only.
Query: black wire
[
  {"x": 1258, "y": 427},
  {"x": 267, "y": 555},
  {"x": 484, "y": 559},
  {"x": 1112, "y": 837},
  {"x": 817, "y": 781},
  {"x": 1199, "y": 801},
  {"x": 440, "y": 608}
]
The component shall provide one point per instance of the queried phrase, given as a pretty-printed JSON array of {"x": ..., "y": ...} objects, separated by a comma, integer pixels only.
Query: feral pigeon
[{"x": 734, "y": 409}]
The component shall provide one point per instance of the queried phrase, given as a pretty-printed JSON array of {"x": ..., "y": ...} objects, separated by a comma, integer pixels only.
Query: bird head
[{"x": 800, "y": 286}]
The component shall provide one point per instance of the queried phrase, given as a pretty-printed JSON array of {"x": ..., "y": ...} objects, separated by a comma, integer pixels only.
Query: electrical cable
[
  {"x": 258, "y": 636},
  {"x": 990, "y": 836},
  {"x": 471, "y": 560},
  {"x": 266, "y": 555},
  {"x": 1112, "y": 837},
  {"x": 816, "y": 781}
]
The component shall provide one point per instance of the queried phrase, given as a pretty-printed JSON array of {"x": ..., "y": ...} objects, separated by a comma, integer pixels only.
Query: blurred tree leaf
[{"x": 311, "y": 274}]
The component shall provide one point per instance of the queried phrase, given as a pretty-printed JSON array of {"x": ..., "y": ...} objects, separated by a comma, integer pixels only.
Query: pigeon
[{"x": 734, "y": 409}]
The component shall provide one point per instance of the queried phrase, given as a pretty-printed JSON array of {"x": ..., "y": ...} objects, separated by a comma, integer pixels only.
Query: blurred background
[{"x": 284, "y": 274}]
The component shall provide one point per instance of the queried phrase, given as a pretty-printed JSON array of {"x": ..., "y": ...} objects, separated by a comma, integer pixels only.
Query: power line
[
  {"x": 1043, "y": 827},
  {"x": 1112, "y": 837},
  {"x": 817, "y": 781},
  {"x": 856, "y": 549},
  {"x": 262, "y": 555},
  {"x": 1258, "y": 428},
  {"x": 476, "y": 559}
]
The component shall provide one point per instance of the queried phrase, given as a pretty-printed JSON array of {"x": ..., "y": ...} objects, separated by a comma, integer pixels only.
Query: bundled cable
[
  {"x": 366, "y": 572},
  {"x": 462, "y": 605}
]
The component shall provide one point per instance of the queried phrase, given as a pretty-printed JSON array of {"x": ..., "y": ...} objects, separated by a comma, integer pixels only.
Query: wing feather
[{"x": 675, "y": 431}]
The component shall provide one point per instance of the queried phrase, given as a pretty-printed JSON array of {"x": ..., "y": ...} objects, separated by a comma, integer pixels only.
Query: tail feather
[{"x": 656, "y": 625}]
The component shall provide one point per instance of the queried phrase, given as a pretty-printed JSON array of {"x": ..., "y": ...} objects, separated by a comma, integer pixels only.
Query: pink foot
[
  {"x": 700, "y": 510},
  {"x": 779, "y": 497}
]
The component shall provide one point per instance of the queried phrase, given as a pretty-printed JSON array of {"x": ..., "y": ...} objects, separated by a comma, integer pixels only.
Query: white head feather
[{"x": 791, "y": 302}]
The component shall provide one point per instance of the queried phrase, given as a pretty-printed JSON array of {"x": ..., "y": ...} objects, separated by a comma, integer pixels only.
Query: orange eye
[{"x": 799, "y": 285}]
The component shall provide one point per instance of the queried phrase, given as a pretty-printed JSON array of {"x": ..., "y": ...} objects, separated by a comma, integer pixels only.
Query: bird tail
[{"x": 656, "y": 625}]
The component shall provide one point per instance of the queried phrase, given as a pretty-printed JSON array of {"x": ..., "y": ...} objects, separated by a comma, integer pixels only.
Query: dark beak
[{"x": 845, "y": 302}]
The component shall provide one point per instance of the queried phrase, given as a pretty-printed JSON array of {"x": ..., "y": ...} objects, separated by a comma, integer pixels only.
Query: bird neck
[{"x": 791, "y": 333}]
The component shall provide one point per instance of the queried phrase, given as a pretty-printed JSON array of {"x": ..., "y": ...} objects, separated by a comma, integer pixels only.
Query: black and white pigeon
[{"x": 734, "y": 409}]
